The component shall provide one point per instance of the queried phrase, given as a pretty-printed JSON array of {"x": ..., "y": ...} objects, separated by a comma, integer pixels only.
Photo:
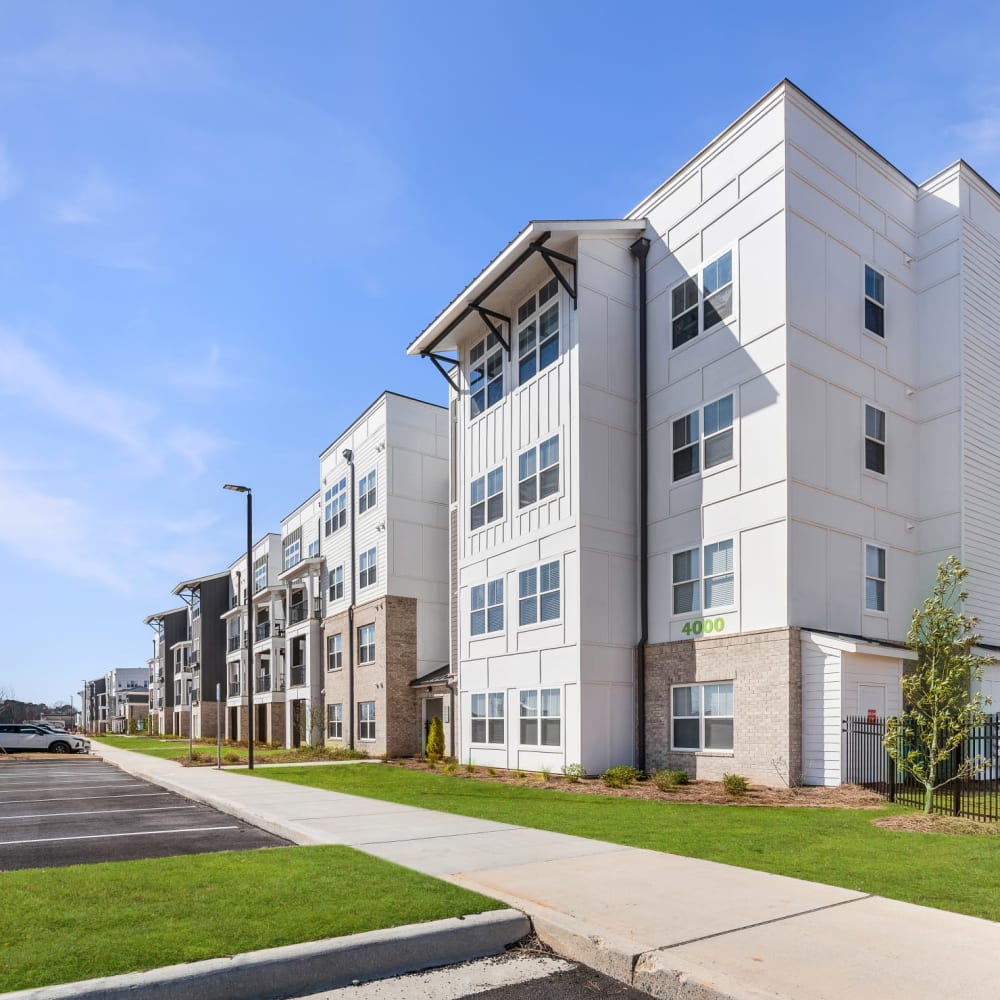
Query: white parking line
[
  {"x": 48, "y": 773},
  {"x": 108, "y": 836},
  {"x": 76, "y": 798},
  {"x": 104, "y": 812},
  {"x": 103, "y": 784},
  {"x": 63, "y": 779}
]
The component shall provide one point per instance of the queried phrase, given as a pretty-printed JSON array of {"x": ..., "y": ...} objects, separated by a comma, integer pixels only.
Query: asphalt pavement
[{"x": 60, "y": 810}]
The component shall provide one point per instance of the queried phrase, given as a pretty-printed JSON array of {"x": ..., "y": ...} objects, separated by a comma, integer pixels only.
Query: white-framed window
[
  {"x": 704, "y": 578},
  {"x": 366, "y": 492},
  {"x": 874, "y": 578},
  {"x": 539, "y": 595},
  {"x": 334, "y": 651},
  {"x": 538, "y": 472},
  {"x": 703, "y": 438},
  {"x": 260, "y": 573},
  {"x": 292, "y": 553},
  {"x": 485, "y": 375},
  {"x": 366, "y": 720},
  {"x": 541, "y": 717},
  {"x": 702, "y": 716},
  {"x": 313, "y": 549},
  {"x": 335, "y": 722},
  {"x": 538, "y": 331},
  {"x": 874, "y": 302},
  {"x": 486, "y": 499},
  {"x": 367, "y": 568},
  {"x": 697, "y": 306},
  {"x": 337, "y": 583},
  {"x": 366, "y": 644},
  {"x": 488, "y": 718},
  {"x": 874, "y": 439},
  {"x": 486, "y": 607},
  {"x": 335, "y": 507}
]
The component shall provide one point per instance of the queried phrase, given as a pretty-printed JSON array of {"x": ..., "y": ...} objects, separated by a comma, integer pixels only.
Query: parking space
[{"x": 78, "y": 810}]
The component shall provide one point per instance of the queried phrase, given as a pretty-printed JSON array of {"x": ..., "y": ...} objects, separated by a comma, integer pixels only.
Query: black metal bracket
[
  {"x": 439, "y": 361},
  {"x": 550, "y": 257},
  {"x": 488, "y": 316}
]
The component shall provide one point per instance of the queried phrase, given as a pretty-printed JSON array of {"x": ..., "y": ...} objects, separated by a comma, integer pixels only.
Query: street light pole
[{"x": 249, "y": 647}]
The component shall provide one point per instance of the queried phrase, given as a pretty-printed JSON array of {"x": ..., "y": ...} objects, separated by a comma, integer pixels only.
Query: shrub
[
  {"x": 435, "y": 739},
  {"x": 574, "y": 772},
  {"x": 621, "y": 776},
  {"x": 666, "y": 781},
  {"x": 735, "y": 785},
  {"x": 470, "y": 768},
  {"x": 518, "y": 773},
  {"x": 450, "y": 768},
  {"x": 231, "y": 758},
  {"x": 491, "y": 771},
  {"x": 544, "y": 774}
]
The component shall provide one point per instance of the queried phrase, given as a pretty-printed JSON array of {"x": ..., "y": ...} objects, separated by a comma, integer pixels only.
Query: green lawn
[
  {"x": 177, "y": 749},
  {"x": 66, "y": 924},
  {"x": 835, "y": 846}
]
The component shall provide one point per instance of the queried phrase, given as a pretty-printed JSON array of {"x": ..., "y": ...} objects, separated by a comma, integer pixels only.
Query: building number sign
[{"x": 704, "y": 626}]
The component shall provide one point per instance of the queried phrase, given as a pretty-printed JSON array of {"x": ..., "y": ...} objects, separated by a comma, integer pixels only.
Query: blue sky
[{"x": 223, "y": 223}]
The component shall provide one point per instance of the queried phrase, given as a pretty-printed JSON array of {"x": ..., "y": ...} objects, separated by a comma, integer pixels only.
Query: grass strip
[
  {"x": 177, "y": 749},
  {"x": 67, "y": 924},
  {"x": 834, "y": 846}
]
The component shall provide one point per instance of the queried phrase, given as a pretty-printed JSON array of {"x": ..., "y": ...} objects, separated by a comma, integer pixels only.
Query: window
[
  {"x": 366, "y": 720},
  {"x": 367, "y": 569},
  {"x": 366, "y": 644},
  {"x": 874, "y": 302},
  {"x": 538, "y": 472},
  {"x": 260, "y": 573},
  {"x": 714, "y": 295},
  {"x": 702, "y": 717},
  {"x": 291, "y": 548},
  {"x": 541, "y": 718},
  {"x": 538, "y": 595},
  {"x": 485, "y": 375},
  {"x": 487, "y": 718},
  {"x": 874, "y": 439},
  {"x": 538, "y": 331},
  {"x": 487, "y": 608},
  {"x": 334, "y": 652},
  {"x": 716, "y": 438},
  {"x": 874, "y": 578},
  {"x": 313, "y": 549},
  {"x": 337, "y": 583},
  {"x": 366, "y": 492},
  {"x": 713, "y": 588},
  {"x": 335, "y": 722},
  {"x": 335, "y": 507},
  {"x": 486, "y": 499}
]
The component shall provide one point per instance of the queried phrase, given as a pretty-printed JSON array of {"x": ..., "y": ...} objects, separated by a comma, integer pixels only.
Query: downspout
[
  {"x": 349, "y": 456},
  {"x": 639, "y": 250}
]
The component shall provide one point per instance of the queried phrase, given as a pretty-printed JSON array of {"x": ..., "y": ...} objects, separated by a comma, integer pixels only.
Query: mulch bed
[{"x": 922, "y": 823}]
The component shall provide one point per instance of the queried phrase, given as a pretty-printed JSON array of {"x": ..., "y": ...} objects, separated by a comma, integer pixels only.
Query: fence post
[
  {"x": 956, "y": 794},
  {"x": 892, "y": 777}
]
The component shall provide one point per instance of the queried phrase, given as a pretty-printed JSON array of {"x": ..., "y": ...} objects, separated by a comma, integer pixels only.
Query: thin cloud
[
  {"x": 211, "y": 373},
  {"x": 97, "y": 201},
  {"x": 194, "y": 445},
  {"x": 198, "y": 522},
  {"x": 9, "y": 181}
]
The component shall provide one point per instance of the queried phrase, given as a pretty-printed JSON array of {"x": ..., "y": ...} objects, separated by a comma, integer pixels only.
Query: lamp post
[{"x": 249, "y": 578}]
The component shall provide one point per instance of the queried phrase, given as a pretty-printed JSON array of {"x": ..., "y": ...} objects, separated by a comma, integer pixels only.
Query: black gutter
[
  {"x": 349, "y": 455},
  {"x": 639, "y": 250}
]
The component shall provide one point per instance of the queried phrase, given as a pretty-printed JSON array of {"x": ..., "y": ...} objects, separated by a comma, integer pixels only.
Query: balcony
[
  {"x": 298, "y": 613},
  {"x": 263, "y": 682},
  {"x": 263, "y": 631},
  {"x": 234, "y": 643},
  {"x": 234, "y": 688},
  {"x": 234, "y": 601},
  {"x": 298, "y": 675}
]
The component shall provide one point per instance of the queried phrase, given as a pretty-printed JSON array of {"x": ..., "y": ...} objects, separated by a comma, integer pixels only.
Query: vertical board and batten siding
[
  {"x": 821, "y": 711},
  {"x": 980, "y": 421}
]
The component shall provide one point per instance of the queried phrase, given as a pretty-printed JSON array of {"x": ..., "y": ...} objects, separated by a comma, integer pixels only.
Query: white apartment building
[
  {"x": 384, "y": 542},
  {"x": 706, "y": 458}
]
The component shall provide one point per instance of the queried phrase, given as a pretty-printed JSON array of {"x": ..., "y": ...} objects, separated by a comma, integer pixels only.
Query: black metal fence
[{"x": 867, "y": 763}]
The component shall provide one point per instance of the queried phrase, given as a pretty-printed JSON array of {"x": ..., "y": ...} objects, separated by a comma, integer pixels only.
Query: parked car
[{"x": 18, "y": 737}]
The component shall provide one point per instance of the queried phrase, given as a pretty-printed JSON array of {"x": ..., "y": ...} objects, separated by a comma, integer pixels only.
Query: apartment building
[
  {"x": 128, "y": 698},
  {"x": 169, "y": 628},
  {"x": 384, "y": 541},
  {"x": 268, "y": 638},
  {"x": 691, "y": 495},
  {"x": 199, "y": 658}
]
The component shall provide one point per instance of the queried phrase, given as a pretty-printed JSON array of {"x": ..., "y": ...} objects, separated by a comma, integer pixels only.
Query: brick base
[{"x": 766, "y": 671}]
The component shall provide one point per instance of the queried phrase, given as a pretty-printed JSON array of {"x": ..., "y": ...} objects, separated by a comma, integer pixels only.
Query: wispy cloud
[
  {"x": 96, "y": 201},
  {"x": 213, "y": 371},
  {"x": 9, "y": 181},
  {"x": 194, "y": 445},
  {"x": 196, "y": 523}
]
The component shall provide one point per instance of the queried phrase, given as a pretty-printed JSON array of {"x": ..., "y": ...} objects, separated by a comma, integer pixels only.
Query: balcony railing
[
  {"x": 234, "y": 688},
  {"x": 263, "y": 631},
  {"x": 234, "y": 601},
  {"x": 298, "y": 675},
  {"x": 263, "y": 682},
  {"x": 234, "y": 643},
  {"x": 298, "y": 613}
]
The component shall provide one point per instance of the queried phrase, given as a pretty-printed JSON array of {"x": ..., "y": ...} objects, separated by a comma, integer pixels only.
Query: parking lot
[{"x": 58, "y": 810}]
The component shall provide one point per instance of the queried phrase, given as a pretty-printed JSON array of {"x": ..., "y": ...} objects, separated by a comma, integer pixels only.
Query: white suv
[{"x": 17, "y": 737}]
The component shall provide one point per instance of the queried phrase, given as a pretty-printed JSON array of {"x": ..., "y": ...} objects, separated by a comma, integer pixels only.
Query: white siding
[{"x": 821, "y": 711}]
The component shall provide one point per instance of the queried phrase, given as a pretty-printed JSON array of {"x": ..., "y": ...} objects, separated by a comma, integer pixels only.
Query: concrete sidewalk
[{"x": 673, "y": 926}]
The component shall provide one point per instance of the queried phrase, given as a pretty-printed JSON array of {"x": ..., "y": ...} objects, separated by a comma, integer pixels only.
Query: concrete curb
[{"x": 307, "y": 968}]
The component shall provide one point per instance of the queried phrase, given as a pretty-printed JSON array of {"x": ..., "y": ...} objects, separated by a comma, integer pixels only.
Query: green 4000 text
[{"x": 704, "y": 626}]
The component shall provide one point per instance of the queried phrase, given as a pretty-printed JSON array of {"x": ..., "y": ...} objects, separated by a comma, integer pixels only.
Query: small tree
[
  {"x": 435, "y": 739},
  {"x": 940, "y": 712}
]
